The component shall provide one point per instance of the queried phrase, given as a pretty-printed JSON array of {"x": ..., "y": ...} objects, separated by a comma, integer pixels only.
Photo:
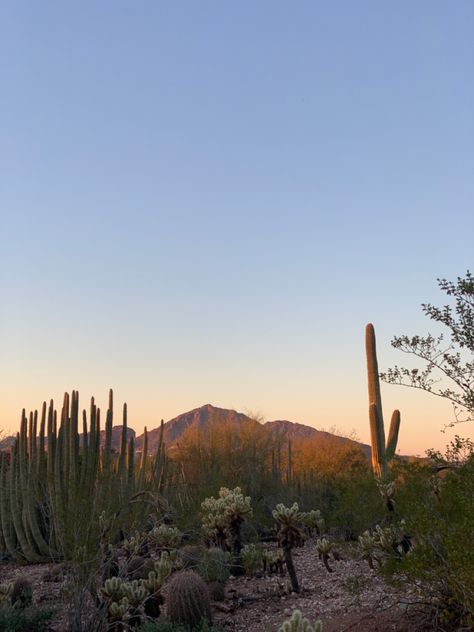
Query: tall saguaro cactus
[{"x": 382, "y": 452}]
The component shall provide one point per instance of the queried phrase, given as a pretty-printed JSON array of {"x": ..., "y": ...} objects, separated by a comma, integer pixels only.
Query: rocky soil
[{"x": 352, "y": 597}]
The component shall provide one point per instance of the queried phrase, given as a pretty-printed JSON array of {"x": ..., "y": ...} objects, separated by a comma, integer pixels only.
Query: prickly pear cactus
[{"x": 298, "y": 623}]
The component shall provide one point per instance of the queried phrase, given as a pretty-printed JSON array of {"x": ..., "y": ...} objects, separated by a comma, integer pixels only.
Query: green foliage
[
  {"x": 188, "y": 600},
  {"x": 298, "y": 623},
  {"x": 30, "y": 619},
  {"x": 440, "y": 519},
  {"x": 442, "y": 360}
]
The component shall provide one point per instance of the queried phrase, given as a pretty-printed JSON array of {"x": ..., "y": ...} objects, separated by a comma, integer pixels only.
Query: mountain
[{"x": 202, "y": 418}]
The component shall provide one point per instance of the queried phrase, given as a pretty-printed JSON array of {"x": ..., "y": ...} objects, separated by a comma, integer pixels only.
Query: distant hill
[{"x": 200, "y": 418}]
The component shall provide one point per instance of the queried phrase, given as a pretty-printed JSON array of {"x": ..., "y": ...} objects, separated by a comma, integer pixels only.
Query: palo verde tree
[{"x": 448, "y": 362}]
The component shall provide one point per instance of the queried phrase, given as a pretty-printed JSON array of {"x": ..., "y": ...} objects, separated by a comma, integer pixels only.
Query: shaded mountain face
[{"x": 202, "y": 418}]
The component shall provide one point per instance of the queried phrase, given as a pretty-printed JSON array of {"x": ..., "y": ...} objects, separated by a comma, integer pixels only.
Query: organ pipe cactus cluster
[
  {"x": 289, "y": 520},
  {"x": 298, "y": 623},
  {"x": 56, "y": 482}
]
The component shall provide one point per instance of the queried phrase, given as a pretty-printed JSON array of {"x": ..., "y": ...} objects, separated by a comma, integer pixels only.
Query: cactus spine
[{"x": 381, "y": 453}]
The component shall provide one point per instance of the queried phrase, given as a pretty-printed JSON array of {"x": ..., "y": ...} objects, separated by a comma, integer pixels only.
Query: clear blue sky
[{"x": 206, "y": 201}]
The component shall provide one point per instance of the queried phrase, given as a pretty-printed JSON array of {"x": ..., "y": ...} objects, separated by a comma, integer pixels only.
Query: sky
[{"x": 205, "y": 202}]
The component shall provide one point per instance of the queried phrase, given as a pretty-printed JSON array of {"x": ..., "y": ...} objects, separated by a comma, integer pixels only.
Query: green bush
[
  {"x": 17, "y": 619},
  {"x": 439, "y": 515}
]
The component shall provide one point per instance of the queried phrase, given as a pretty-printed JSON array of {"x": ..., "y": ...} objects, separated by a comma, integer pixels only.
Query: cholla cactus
[
  {"x": 113, "y": 589},
  {"x": 313, "y": 521},
  {"x": 387, "y": 491},
  {"x": 135, "y": 592},
  {"x": 252, "y": 558},
  {"x": 118, "y": 610},
  {"x": 165, "y": 537},
  {"x": 382, "y": 543},
  {"x": 298, "y": 623},
  {"x": 324, "y": 547},
  {"x": 368, "y": 547},
  {"x": 289, "y": 535},
  {"x": 273, "y": 560},
  {"x": 223, "y": 517},
  {"x": 157, "y": 577},
  {"x": 134, "y": 544},
  {"x": 5, "y": 592}
]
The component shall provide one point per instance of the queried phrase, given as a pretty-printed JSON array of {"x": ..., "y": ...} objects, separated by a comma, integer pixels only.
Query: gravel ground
[{"x": 352, "y": 597}]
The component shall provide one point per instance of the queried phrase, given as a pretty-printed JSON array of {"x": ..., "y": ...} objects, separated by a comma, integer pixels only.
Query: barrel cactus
[{"x": 188, "y": 600}]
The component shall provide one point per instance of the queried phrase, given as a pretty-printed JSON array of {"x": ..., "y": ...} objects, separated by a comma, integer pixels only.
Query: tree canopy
[{"x": 448, "y": 361}]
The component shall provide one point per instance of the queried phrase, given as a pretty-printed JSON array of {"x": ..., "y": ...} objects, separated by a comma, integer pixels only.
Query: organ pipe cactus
[
  {"x": 55, "y": 484},
  {"x": 298, "y": 623}
]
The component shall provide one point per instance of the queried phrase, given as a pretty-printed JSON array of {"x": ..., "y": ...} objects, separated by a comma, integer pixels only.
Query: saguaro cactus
[{"x": 381, "y": 452}]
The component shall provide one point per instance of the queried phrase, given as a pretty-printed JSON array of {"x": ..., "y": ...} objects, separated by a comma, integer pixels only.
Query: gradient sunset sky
[{"x": 205, "y": 202}]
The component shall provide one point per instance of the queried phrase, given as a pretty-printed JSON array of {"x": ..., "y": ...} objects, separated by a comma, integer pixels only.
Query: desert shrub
[
  {"x": 29, "y": 619},
  {"x": 439, "y": 514}
]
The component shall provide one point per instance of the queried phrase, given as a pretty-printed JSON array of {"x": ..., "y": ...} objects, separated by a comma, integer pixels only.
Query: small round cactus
[{"x": 188, "y": 600}]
